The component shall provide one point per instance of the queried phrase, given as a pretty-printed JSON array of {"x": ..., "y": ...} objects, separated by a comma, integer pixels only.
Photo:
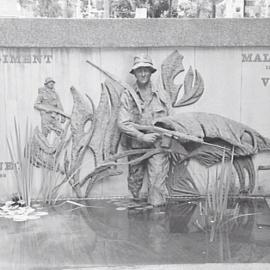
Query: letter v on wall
[{"x": 265, "y": 81}]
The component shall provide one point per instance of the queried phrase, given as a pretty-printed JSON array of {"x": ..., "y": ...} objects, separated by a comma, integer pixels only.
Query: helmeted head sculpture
[
  {"x": 143, "y": 61},
  {"x": 49, "y": 80}
]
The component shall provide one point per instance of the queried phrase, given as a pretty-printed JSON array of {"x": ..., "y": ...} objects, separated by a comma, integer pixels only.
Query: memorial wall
[{"x": 232, "y": 57}]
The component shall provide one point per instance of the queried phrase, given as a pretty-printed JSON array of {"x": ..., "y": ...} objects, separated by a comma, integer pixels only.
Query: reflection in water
[
  {"x": 180, "y": 216},
  {"x": 100, "y": 234},
  {"x": 232, "y": 237},
  {"x": 171, "y": 234}
]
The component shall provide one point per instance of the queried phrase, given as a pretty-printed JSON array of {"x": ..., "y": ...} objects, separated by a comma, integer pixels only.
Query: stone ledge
[{"x": 54, "y": 33}]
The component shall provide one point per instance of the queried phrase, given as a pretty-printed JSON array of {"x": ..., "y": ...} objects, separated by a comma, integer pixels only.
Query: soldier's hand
[
  {"x": 151, "y": 137},
  {"x": 63, "y": 119}
]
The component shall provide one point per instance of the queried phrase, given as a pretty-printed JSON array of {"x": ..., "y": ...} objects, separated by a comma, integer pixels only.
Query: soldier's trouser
[
  {"x": 157, "y": 168},
  {"x": 135, "y": 176}
]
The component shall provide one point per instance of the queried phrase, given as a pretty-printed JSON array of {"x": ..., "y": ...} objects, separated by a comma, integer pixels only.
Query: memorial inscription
[
  {"x": 258, "y": 58},
  {"x": 25, "y": 59}
]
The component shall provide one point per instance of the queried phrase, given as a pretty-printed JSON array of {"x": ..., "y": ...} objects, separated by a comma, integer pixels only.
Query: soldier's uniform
[
  {"x": 49, "y": 120},
  {"x": 134, "y": 110}
]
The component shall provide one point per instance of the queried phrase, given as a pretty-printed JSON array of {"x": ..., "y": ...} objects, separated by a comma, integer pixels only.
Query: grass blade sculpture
[{"x": 20, "y": 153}]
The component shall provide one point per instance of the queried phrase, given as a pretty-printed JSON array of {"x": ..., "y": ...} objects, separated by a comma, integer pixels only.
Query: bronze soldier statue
[
  {"x": 143, "y": 106},
  {"x": 50, "y": 107}
]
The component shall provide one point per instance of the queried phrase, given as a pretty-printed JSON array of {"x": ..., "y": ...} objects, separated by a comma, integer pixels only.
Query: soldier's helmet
[
  {"x": 48, "y": 80},
  {"x": 142, "y": 61}
]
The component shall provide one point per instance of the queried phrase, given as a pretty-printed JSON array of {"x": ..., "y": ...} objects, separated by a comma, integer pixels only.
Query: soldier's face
[
  {"x": 143, "y": 75},
  {"x": 50, "y": 85}
]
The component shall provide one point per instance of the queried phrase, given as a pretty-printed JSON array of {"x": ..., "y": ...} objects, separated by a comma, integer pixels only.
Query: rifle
[
  {"x": 179, "y": 136},
  {"x": 169, "y": 133},
  {"x": 49, "y": 108}
]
